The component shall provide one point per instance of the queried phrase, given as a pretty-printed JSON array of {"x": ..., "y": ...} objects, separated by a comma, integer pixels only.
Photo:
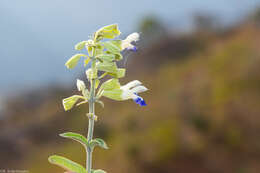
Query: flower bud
[
  {"x": 80, "y": 85},
  {"x": 91, "y": 74}
]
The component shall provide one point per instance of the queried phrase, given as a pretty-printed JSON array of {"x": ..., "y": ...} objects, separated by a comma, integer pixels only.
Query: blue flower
[
  {"x": 131, "y": 90},
  {"x": 139, "y": 100},
  {"x": 126, "y": 43}
]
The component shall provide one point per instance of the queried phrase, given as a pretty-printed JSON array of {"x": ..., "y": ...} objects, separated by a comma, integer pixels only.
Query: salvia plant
[{"x": 102, "y": 53}]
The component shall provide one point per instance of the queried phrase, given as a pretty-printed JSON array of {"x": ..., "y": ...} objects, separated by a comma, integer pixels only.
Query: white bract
[
  {"x": 126, "y": 43},
  {"x": 80, "y": 85}
]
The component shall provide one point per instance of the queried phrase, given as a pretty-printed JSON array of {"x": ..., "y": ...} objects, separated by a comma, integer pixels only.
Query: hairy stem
[{"x": 91, "y": 119}]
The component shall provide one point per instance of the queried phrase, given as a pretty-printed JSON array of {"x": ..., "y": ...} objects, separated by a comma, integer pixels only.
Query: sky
[{"x": 38, "y": 36}]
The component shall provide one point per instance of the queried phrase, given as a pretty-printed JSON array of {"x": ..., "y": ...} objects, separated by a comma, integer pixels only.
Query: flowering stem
[{"x": 91, "y": 119}]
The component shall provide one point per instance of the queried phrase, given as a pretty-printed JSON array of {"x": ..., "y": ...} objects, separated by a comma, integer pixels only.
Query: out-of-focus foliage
[
  {"x": 205, "y": 22},
  {"x": 202, "y": 114},
  {"x": 151, "y": 28}
]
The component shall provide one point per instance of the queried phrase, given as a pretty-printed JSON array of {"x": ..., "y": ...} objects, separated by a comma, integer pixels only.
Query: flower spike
[{"x": 101, "y": 56}]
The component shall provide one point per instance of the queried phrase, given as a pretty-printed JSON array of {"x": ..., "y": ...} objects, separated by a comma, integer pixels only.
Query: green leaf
[
  {"x": 103, "y": 75},
  {"x": 118, "y": 56},
  {"x": 119, "y": 74},
  {"x": 73, "y": 61},
  {"x": 107, "y": 66},
  {"x": 110, "y": 32},
  {"x": 86, "y": 61},
  {"x": 77, "y": 137},
  {"x": 90, "y": 49},
  {"x": 69, "y": 102},
  {"x": 66, "y": 164},
  {"x": 112, "y": 46},
  {"x": 97, "y": 83},
  {"x": 98, "y": 171},
  {"x": 101, "y": 103},
  {"x": 110, "y": 84},
  {"x": 98, "y": 142},
  {"x": 80, "y": 45},
  {"x": 99, "y": 49}
]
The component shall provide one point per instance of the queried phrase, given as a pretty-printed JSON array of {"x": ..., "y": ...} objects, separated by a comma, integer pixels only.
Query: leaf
[
  {"x": 69, "y": 102},
  {"x": 73, "y": 61},
  {"x": 86, "y": 61},
  {"x": 98, "y": 171},
  {"x": 97, "y": 83},
  {"x": 99, "y": 49},
  {"x": 118, "y": 56},
  {"x": 66, "y": 164},
  {"x": 80, "y": 103},
  {"x": 119, "y": 74},
  {"x": 101, "y": 103},
  {"x": 112, "y": 47},
  {"x": 90, "y": 49},
  {"x": 103, "y": 75},
  {"x": 107, "y": 66},
  {"x": 111, "y": 89},
  {"x": 110, "y": 84},
  {"x": 110, "y": 32},
  {"x": 77, "y": 137},
  {"x": 115, "y": 94},
  {"x": 98, "y": 142},
  {"x": 80, "y": 45}
]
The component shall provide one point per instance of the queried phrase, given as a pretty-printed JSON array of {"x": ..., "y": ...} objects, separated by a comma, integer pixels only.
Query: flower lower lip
[
  {"x": 140, "y": 101},
  {"x": 134, "y": 49}
]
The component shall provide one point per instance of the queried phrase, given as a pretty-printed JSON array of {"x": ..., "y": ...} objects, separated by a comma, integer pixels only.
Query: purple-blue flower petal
[
  {"x": 139, "y": 100},
  {"x": 134, "y": 49}
]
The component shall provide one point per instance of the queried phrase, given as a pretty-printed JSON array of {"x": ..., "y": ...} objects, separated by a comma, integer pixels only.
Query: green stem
[{"x": 91, "y": 119}]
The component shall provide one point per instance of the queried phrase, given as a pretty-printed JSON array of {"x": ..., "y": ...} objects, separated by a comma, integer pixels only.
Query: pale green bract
[
  {"x": 115, "y": 94},
  {"x": 69, "y": 102},
  {"x": 113, "y": 46},
  {"x": 73, "y": 61},
  {"x": 110, "y": 84},
  {"x": 110, "y": 32},
  {"x": 119, "y": 73},
  {"x": 80, "y": 45},
  {"x": 106, "y": 57},
  {"x": 107, "y": 66}
]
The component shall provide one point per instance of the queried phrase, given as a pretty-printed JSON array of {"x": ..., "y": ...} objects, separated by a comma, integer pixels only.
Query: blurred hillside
[{"x": 202, "y": 114}]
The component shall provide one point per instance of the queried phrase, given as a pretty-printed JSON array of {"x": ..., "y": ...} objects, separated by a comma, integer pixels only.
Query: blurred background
[{"x": 199, "y": 59}]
